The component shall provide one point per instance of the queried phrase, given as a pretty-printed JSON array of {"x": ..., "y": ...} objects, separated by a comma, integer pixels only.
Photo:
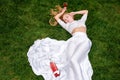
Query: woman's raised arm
[
  {"x": 57, "y": 17},
  {"x": 83, "y": 12},
  {"x": 79, "y": 12}
]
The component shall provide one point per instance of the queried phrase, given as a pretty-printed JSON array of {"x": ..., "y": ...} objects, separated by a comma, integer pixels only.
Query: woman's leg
[{"x": 80, "y": 48}]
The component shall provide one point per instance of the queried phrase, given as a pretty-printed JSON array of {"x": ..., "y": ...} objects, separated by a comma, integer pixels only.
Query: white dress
[{"x": 71, "y": 56}]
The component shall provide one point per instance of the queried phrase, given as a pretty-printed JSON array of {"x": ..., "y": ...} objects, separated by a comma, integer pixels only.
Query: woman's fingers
[
  {"x": 65, "y": 8},
  {"x": 72, "y": 14}
]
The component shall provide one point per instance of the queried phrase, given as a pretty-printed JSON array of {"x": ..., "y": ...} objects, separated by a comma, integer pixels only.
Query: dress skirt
[{"x": 70, "y": 57}]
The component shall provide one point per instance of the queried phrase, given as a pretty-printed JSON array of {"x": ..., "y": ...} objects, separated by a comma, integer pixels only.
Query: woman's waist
[
  {"x": 80, "y": 34},
  {"x": 79, "y": 29}
]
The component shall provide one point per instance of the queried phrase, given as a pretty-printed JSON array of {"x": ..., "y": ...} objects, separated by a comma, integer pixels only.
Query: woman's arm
[
  {"x": 57, "y": 17},
  {"x": 79, "y": 12},
  {"x": 83, "y": 12}
]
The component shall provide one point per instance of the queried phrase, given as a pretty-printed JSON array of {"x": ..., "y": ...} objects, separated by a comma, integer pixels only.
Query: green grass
[{"x": 24, "y": 21}]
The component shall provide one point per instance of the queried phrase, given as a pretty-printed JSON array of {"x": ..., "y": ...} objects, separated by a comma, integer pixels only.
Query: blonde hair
[{"x": 54, "y": 12}]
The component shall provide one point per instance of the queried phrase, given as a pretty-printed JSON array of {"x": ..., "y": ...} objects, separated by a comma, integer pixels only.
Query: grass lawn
[{"x": 24, "y": 21}]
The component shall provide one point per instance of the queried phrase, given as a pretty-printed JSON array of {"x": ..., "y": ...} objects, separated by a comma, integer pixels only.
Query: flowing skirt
[{"x": 71, "y": 57}]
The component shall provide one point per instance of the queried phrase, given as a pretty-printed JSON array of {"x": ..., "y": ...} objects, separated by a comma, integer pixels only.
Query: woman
[{"x": 63, "y": 60}]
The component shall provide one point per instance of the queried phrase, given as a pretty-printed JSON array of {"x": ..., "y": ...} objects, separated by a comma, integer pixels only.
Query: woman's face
[{"x": 68, "y": 18}]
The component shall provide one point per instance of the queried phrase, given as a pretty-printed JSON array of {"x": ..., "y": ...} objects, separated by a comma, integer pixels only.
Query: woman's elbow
[
  {"x": 86, "y": 11},
  {"x": 56, "y": 17}
]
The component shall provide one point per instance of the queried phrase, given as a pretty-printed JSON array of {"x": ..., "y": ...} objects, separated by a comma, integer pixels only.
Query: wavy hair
[{"x": 54, "y": 12}]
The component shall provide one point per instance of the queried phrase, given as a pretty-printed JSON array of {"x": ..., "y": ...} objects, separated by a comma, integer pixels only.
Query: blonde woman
[{"x": 64, "y": 60}]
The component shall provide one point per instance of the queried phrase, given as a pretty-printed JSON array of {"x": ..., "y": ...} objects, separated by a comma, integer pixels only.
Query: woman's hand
[
  {"x": 72, "y": 14},
  {"x": 64, "y": 9}
]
